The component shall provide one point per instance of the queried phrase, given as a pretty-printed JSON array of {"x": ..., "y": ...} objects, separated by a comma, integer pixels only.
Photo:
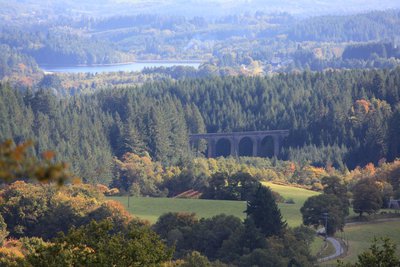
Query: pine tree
[{"x": 264, "y": 211}]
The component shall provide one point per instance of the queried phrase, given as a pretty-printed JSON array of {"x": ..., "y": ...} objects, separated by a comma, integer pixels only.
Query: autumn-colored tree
[
  {"x": 3, "y": 230},
  {"x": 11, "y": 254},
  {"x": 139, "y": 172},
  {"x": 113, "y": 211},
  {"x": 17, "y": 163},
  {"x": 44, "y": 210},
  {"x": 97, "y": 244}
]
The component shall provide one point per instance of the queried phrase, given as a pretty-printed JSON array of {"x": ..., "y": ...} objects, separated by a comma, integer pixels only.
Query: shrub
[
  {"x": 290, "y": 201},
  {"x": 278, "y": 197}
]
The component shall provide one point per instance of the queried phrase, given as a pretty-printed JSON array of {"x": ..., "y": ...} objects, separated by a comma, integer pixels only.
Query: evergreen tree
[
  {"x": 394, "y": 133},
  {"x": 264, "y": 212}
]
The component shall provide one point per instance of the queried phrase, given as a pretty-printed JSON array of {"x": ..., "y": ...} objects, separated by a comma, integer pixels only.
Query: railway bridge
[{"x": 251, "y": 143}]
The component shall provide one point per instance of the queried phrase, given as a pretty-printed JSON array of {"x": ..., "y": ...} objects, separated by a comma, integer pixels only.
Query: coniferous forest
[{"x": 342, "y": 118}]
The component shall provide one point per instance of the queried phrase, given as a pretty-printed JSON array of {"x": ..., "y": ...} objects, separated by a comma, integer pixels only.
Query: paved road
[{"x": 338, "y": 249}]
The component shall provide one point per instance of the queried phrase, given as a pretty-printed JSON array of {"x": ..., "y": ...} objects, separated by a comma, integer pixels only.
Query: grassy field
[
  {"x": 317, "y": 245},
  {"x": 291, "y": 212},
  {"x": 360, "y": 236},
  {"x": 151, "y": 208}
]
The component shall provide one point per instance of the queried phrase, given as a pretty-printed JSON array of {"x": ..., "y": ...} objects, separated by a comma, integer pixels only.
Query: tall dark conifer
[{"x": 264, "y": 212}]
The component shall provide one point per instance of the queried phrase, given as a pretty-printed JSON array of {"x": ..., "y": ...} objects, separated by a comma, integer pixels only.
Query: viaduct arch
[{"x": 240, "y": 143}]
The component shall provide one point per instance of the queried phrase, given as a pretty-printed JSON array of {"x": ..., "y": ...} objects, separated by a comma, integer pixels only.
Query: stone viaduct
[{"x": 237, "y": 140}]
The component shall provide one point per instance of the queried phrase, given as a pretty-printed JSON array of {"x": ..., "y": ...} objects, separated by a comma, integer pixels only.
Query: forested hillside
[
  {"x": 239, "y": 44},
  {"x": 61, "y": 45},
  {"x": 17, "y": 67},
  {"x": 372, "y": 26},
  {"x": 337, "y": 117}
]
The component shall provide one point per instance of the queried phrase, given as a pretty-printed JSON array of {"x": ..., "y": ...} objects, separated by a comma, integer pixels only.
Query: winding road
[{"x": 338, "y": 249}]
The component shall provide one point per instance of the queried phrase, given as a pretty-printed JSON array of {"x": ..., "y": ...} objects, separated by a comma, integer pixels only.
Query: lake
[{"x": 135, "y": 66}]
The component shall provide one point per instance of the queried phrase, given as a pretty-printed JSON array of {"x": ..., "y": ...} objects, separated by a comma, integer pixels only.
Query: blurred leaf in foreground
[{"x": 16, "y": 162}]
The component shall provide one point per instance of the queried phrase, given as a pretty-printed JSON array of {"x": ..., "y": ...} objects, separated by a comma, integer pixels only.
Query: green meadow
[
  {"x": 291, "y": 212},
  {"x": 360, "y": 236},
  {"x": 151, "y": 208}
]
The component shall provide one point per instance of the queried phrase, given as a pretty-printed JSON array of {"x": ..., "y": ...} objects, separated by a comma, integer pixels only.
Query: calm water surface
[{"x": 136, "y": 66}]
